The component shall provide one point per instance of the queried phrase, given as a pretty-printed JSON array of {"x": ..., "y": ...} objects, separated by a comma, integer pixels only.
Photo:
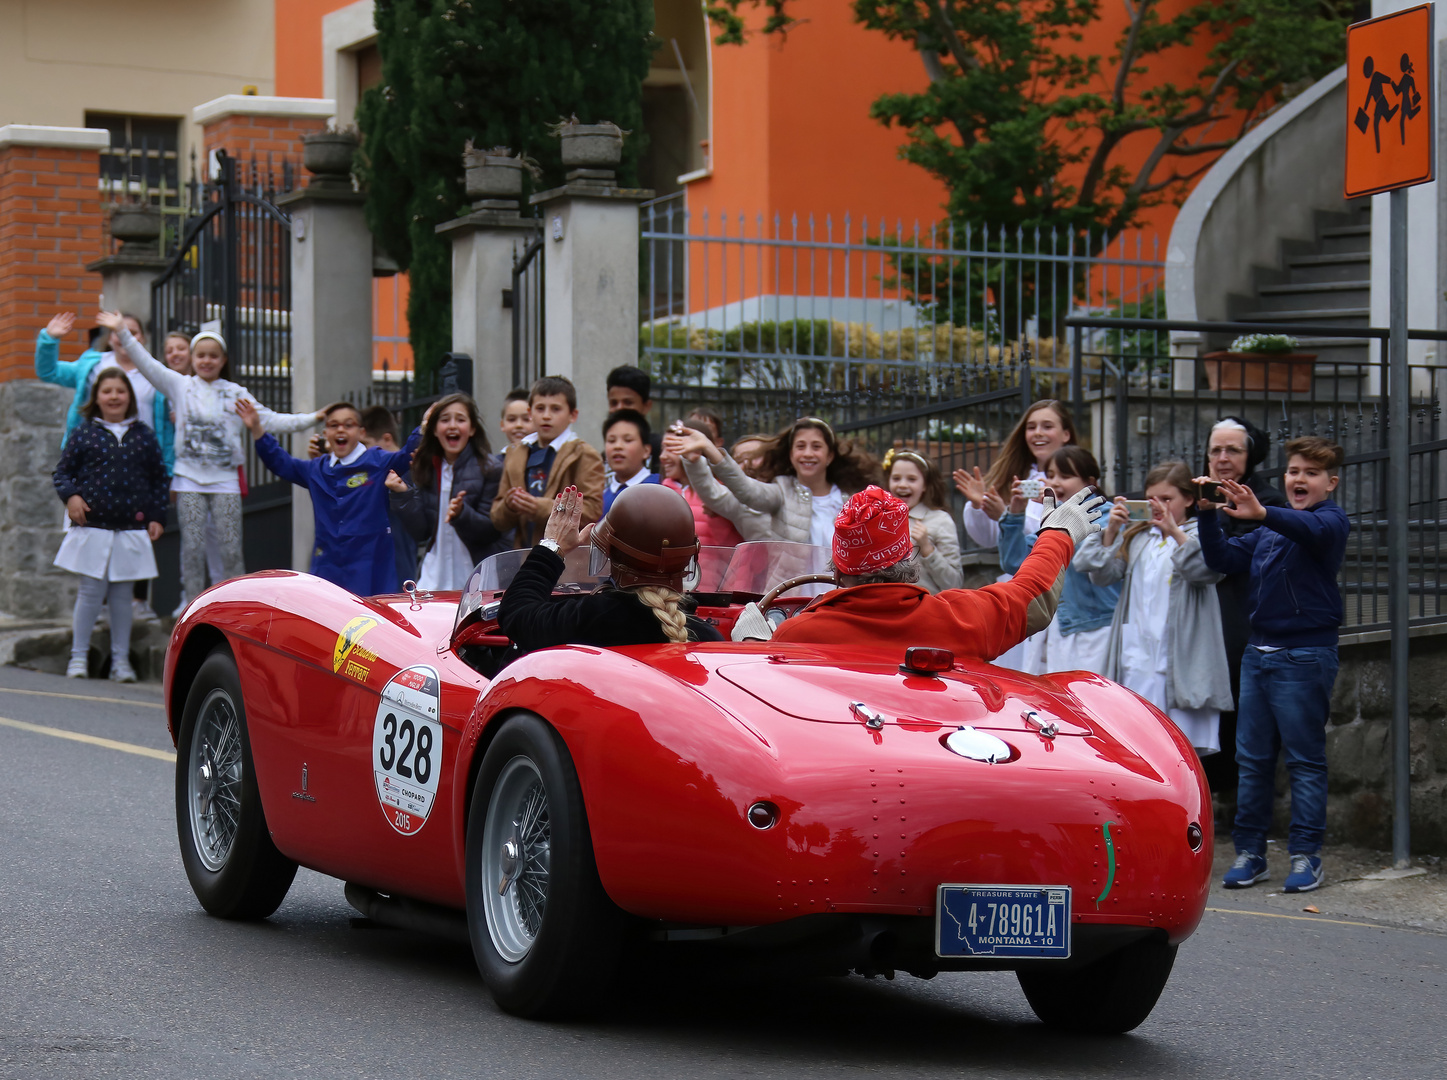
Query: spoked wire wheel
[
  {"x": 517, "y": 851},
  {"x": 214, "y": 773}
]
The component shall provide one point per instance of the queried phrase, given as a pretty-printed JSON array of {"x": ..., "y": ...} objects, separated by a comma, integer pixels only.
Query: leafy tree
[
  {"x": 496, "y": 72},
  {"x": 1026, "y": 127}
]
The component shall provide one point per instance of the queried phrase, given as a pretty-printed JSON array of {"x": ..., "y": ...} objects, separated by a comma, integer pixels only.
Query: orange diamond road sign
[{"x": 1389, "y": 102}]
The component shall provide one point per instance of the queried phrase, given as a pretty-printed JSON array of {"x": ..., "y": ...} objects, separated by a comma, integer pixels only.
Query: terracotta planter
[
  {"x": 591, "y": 146},
  {"x": 492, "y": 177},
  {"x": 329, "y": 153},
  {"x": 1285, "y": 372}
]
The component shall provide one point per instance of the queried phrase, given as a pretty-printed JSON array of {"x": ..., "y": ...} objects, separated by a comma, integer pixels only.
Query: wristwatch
[{"x": 551, "y": 545}]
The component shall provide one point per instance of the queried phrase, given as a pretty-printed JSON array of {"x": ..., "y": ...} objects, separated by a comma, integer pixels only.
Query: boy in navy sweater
[
  {"x": 1290, "y": 663},
  {"x": 354, "y": 547}
]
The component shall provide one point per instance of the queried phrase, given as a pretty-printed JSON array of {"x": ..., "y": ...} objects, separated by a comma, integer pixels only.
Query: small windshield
[{"x": 750, "y": 569}]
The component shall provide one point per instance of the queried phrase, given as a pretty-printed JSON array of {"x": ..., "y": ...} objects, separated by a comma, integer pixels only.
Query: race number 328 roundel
[{"x": 407, "y": 748}]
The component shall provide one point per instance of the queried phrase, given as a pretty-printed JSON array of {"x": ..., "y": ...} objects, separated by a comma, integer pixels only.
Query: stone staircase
[{"x": 1325, "y": 281}]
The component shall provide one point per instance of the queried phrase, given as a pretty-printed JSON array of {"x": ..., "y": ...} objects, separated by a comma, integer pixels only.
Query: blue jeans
[{"x": 1285, "y": 701}]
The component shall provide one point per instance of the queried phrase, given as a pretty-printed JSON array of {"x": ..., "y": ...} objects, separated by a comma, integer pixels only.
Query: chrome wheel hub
[
  {"x": 214, "y": 773},
  {"x": 516, "y": 858}
]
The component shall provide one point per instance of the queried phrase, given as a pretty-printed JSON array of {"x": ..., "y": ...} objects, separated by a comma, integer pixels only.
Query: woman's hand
[
  {"x": 455, "y": 506},
  {"x": 690, "y": 445},
  {"x": 111, "y": 320},
  {"x": 993, "y": 505},
  {"x": 1017, "y": 497},
  {"x": 1245, "y": 504},
  {"x": 60, "y": 325},
  {"x": 919, "y": 535},
  {"x": 154, "y": 529},
  {"x": 1119, "y": 519},
  {"x": 250, "y": 417},
  {"x": 562, "y": 526},
  {"x": 1206, "y": 504},
  {"x": 970, "y": 485},
  {"x": 76, "y": 508},
  {"x": 395, "y": 482}
]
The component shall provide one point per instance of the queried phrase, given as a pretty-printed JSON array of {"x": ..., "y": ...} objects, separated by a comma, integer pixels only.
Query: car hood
[{"x": 826, "y": 692}]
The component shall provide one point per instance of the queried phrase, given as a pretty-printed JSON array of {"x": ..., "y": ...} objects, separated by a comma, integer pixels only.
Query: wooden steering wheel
[{"x": 792, "y": 583}]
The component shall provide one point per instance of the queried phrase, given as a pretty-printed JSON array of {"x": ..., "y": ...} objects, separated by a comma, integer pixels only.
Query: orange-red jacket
[{"x": 974, "y": 624}]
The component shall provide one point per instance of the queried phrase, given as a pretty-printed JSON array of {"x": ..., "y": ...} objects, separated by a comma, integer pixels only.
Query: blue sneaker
[
  {"x": 1306, "y": 874},
  {"x": 1246, "y": 871}
]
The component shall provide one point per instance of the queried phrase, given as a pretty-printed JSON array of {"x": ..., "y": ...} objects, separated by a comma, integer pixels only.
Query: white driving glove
[
  {"x": 1078, "y": 515},
  {"x": 752, "y": 626}
]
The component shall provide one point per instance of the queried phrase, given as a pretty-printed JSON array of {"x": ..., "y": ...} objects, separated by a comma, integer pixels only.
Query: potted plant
[
  {"x": 1261, "y": 362},
  {"x": 495, "y": 173},
  {"x": 328, "y": 154},
  {"x": 590, "y": 146},
  {"x": 136, "y": 226}
]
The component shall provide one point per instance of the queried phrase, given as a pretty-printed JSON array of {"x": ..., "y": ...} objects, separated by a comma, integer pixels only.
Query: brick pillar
[
  {"x": 50, "y": 228},
  {"x": 249, "y": 127}
]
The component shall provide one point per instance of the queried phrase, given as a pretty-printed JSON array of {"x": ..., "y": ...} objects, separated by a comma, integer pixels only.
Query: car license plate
[{"x": 1003, "y": 920}]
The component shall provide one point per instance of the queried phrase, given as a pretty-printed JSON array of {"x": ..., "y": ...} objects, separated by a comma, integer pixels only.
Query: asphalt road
[{"x": 110, "y": 968}]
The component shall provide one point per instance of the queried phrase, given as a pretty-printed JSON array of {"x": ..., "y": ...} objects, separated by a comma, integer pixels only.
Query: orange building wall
[{"x": 299, "y": 74}]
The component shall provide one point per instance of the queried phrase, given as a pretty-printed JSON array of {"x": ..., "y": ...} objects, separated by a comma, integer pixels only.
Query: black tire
[
  {"x": 565, "y": 965},
  {"x": 1111, "y": 996},
  {"x": 249, "y": 878}
]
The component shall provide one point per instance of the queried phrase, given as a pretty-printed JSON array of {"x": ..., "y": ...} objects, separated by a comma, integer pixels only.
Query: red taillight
[{"x": 925, "y": 661}]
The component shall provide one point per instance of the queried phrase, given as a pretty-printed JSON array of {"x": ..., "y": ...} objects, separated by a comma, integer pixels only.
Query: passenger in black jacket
[
  {"x": 458, "y": 531},
  {"x": 1234, "y": 451},
  {"x": 113, "y": 482},
  {"x": 648, "y": 537}
]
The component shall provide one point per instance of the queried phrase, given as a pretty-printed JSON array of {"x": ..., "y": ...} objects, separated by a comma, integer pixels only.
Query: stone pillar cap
[
  {"x": 66, "y": 137},
  {"x": 254, "y": 105}
]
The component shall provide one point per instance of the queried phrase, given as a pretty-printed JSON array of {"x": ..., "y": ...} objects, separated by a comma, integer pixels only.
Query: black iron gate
[
  {"x": 529, "y": 339},
  {"x": 231, "y": 272}
]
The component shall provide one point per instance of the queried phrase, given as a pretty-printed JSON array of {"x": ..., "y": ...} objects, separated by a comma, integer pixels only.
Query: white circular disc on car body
[{"x": 407, "y": 747}]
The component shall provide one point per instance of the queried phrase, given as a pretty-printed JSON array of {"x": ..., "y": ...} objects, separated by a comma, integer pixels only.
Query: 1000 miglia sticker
[{"x": 407, "y": 748}]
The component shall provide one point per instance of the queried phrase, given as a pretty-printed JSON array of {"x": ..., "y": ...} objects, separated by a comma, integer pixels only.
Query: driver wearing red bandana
[{"x": 877, "y": 599}]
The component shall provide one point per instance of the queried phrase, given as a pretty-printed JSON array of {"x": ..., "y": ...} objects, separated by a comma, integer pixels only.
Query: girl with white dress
[
  {"x": 913, "y": 478},
  {"x": 209, "y": 447},
  {"x": 1046, "y": 426},
  {"x": 112, "y": 479},
  {"x": 1165, "y": 640}
]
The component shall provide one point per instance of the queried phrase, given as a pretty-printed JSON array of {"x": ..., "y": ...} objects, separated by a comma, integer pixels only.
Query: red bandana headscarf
[{"x": 871, "y": 532}]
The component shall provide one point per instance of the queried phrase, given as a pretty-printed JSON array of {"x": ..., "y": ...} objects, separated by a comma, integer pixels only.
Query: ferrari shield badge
[
  {"x": 348, "y": 654},
  {"x": 407, "y": 748}
]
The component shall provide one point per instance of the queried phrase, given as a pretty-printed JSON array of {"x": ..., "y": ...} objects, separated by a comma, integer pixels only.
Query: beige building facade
[{"x": 136, "y": 67}]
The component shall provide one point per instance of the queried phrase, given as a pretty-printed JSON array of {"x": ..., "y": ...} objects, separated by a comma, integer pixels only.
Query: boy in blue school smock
[{"x": 353, "y": 545}]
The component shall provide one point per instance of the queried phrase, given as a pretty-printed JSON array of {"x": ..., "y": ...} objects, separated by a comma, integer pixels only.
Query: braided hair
[{"x": 664, "y": 604}]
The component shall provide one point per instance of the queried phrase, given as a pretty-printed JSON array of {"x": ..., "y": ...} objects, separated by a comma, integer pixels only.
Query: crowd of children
[{"x": 1222, "y": 611}]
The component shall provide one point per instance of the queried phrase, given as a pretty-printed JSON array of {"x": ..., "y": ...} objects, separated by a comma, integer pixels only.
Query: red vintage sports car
[{"x": 821, "y": 805}]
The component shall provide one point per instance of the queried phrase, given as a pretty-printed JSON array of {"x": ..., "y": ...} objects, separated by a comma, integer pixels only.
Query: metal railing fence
[{"x": 775, "y": 306}]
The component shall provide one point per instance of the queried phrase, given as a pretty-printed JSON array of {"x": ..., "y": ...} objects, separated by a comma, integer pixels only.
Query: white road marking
[
  {"x": 83, "y": 697},
  {"x": 94, "y": 740}
]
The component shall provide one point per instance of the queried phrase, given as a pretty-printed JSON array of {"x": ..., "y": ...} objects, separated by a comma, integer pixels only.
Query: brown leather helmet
[{"x": 648, "y": 535}]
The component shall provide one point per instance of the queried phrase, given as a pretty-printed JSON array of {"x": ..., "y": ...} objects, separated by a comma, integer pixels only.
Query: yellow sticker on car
[{"x": 348, "y": 645}]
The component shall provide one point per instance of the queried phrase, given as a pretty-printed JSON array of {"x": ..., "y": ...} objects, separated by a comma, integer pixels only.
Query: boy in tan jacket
[{"x": 542, "y": 464}]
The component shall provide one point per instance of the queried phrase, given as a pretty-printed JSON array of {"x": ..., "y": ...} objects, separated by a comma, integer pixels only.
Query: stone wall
[
  {"x": 32, "y": 420},
  {"x": 1359, "y": 747}
]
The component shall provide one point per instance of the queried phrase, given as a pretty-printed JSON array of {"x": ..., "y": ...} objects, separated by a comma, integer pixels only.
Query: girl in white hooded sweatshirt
[{"x": 209, "y": 447}]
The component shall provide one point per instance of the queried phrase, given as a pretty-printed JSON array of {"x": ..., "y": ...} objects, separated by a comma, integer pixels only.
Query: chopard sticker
[
  {"x": 407, "y": 748},
  {"x": 348, "y": 652}
]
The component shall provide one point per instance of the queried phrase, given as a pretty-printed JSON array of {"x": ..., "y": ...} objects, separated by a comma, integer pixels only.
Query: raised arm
[
  {"x": 1320, "y": 532},
  {"x": 1100, "y": 560},
  {"x": 49, "y": 367},
  {"x": 279, "y": 461},
  {"x": 998, "y": 617},
  {"x": 170, "y": 383},
  {"x": 1226, "y": 555},
  {"x": 282, "y": 423},
  {"x": 723, "y": 502}
]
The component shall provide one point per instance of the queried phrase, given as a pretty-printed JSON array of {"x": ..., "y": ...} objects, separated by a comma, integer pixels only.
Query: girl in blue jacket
[
  {"x": 1078, "y": 637},
  {"x": 79, "y": 375}
]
